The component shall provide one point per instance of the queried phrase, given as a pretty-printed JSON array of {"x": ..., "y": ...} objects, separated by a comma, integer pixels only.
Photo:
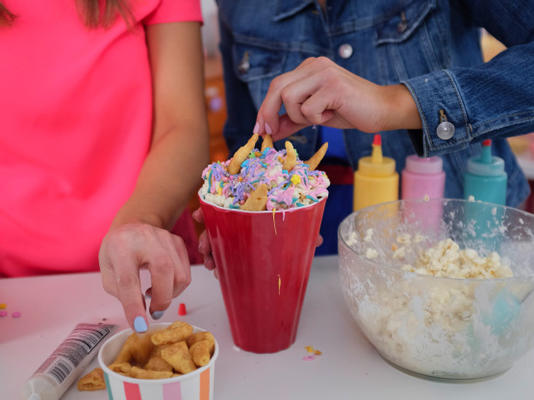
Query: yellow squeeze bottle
[{"x": 376, "y": 180}]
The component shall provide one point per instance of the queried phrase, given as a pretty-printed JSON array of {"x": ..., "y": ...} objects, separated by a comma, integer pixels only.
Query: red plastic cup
[{"x": 263, "y": 262}]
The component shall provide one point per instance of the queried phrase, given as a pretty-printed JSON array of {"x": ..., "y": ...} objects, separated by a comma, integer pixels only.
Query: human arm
[
  {"x": 490, "y": 100},
  {"x": 139, "y": 235}
]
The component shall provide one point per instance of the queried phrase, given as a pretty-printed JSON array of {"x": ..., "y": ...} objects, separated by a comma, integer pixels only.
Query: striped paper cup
[{"x": 197, "y": 385}]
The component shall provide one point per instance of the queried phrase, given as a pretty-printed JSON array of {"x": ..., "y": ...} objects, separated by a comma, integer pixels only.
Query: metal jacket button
[
  {"x": 345, "y": 50},
  {"x": 445, "y": 129}
]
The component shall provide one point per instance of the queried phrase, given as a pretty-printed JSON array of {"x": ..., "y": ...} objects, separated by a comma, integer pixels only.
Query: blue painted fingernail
[
  {"x": 140, "y": 324},
  {"x": 157, "y": 314}
]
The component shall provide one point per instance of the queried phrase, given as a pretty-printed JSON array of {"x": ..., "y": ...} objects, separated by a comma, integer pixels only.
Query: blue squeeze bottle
[{"x": 485, "y": 179}]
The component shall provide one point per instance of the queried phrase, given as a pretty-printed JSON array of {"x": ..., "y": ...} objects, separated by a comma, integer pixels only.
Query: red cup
[{"x": 263, "y": 263}]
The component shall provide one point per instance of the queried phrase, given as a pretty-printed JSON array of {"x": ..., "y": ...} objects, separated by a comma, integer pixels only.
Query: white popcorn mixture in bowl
[{"x": 449, "y": 300}]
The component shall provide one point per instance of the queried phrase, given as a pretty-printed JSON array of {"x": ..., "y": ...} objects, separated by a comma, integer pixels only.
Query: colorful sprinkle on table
[
  {"x": 312, "y": 353},
  {"x": 3, "y": 306},
  {"x": 3, "y": 314},
  {"x": 181, "y": 309},
  {"x": 16, "y": 314}
]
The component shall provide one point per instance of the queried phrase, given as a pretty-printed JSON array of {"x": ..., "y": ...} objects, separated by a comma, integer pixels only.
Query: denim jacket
[{"x": 431, "y": 46}]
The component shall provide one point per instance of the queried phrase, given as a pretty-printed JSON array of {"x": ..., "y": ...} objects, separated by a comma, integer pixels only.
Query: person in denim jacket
[{"x": 402, "y": 66}]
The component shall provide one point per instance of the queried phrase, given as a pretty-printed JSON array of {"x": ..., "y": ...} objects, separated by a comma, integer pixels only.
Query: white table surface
[{"x": 349, "y": 368}]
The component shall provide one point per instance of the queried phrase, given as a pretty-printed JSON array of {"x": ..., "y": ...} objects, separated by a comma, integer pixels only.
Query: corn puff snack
[
  {"x": 314, "y": 161},
  {"x": 94, "y": 380},
  {"x": 241, "y": 155},
  {"x": 257, "y": 199},
  {"x": 157, "y": 363},
  {"x": 267, "y": 142},
  {"x": 291, "y": 157},
  {"x": 179, "y": 357},
  {"x": 177, "y": 332},
  {"x": 141, "y": 373},
  {"x": 197, "y": 337},
  {"x": 200, "y": 353}
]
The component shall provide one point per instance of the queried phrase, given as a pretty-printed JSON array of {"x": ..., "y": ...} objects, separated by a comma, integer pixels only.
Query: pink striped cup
[{"x": 197, "y": 385}]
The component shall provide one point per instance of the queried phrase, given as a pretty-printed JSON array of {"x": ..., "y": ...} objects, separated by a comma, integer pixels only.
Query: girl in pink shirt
[{"x": 103, "y": 137}]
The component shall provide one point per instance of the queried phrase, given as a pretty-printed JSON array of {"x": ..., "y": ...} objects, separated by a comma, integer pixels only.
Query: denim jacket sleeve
[{"x": 491, "y": 100}]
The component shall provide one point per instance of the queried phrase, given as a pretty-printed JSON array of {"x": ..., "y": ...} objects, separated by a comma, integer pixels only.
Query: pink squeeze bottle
[{"x": 424, "y": 179}]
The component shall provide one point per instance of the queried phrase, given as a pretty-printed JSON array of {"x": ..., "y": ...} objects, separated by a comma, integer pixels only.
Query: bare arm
[{"x": 179, "y": 150}]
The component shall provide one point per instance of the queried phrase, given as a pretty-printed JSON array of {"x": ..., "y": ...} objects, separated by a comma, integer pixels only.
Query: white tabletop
[{"x": 348, "y": 369}]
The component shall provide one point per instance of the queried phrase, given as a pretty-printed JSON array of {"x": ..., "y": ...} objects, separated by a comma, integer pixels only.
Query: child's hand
[
  {"x": 321, "y": 92},
  {"x": 128, "y": 248}
]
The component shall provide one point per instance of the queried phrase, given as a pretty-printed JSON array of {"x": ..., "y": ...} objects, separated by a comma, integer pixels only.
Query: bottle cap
[
  {"x": 376, "y": 164},
  {"x": 486, "y": 164},
  {"x": 424, "y": 165}
]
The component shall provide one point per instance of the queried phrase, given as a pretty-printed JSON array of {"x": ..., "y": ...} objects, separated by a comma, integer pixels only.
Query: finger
[
  {"x": 316, "y": 108},
  {"x": 287, "y": 128},
  {"x": 129, "y": 293},
  {"x": 268, "y": 112},
  {"x": 182, "y": 271},
  {"x": 109, "y": 282},
  {"x": 319, "y": 241},
  {"x": 296, "y": 92},
  {"x": 203, "y": 244},
  {"x": 161, "y": 267},
  {"x": 198, "y": 215},
  {"x": 209, "y": 263}
]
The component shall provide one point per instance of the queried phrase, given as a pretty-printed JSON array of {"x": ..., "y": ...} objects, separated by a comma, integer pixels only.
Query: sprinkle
[
  {"x": 3, "y": 313},
  {"x": 181, "y": 309},
  {"x": 16, "y": 314},
  {"x": 274, "y": 221},
  {"x": 308, "y": 358},
  {"x": 295, "y": 179},
  {"x": 3, "y": 306},
  {"x": 279, "y": 284},
  {"x": 209, "y": 180},
  {"x": 309, "y": 349}
]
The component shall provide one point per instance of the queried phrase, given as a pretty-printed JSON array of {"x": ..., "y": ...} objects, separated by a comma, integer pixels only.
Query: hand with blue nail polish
[{"x": 128, "y": 248}]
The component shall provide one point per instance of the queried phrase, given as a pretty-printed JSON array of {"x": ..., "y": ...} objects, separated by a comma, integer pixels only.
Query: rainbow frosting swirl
[{"x": 286, "y": 189}]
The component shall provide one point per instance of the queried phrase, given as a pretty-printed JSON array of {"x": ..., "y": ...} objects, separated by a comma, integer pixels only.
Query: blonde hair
[{"x": 92, "y": 14}]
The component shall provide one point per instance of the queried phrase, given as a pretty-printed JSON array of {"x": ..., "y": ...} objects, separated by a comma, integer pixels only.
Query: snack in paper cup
[{"x": 195, "y": 385}]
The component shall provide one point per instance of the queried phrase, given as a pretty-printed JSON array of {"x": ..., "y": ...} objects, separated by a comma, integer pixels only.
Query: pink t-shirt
[{"x": 75, "y": 127}]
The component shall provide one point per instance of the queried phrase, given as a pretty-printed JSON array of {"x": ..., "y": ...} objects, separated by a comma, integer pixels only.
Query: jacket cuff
[{"x": 432, "y": 93}]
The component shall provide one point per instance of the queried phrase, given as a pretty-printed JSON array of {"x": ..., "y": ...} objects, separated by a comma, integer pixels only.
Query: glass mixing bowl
[{"x": 439, "y": 326}]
